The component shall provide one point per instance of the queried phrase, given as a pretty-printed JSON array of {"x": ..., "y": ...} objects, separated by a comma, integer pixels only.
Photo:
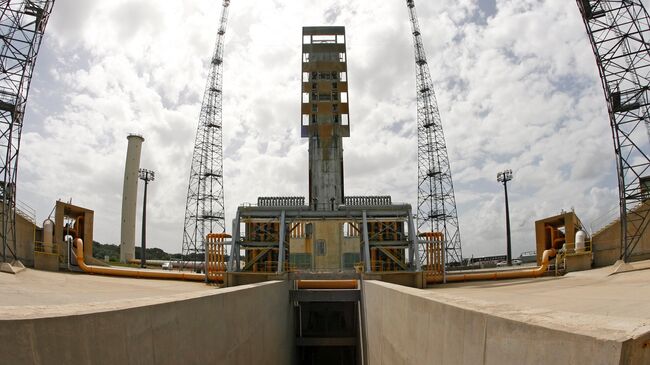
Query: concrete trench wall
[
  {"x": 251, "y": 324},
  {"x": 404, "y": 327}
]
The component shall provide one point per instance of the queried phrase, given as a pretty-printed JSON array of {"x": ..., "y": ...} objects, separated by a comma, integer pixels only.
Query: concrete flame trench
[{"x": 44, "y": 320}]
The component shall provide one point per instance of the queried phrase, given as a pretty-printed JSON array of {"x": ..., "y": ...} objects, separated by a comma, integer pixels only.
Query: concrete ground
[
  {"x": 596, "y": 303},
  {"x": 34, "y": 294}
]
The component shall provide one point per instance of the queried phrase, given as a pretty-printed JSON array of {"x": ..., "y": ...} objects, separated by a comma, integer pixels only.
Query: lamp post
[
  {"x": 504, "y": 177},
  {"x": 146, "y": 175}
]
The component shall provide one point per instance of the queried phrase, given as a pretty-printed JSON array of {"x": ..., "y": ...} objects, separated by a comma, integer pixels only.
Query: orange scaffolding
[
  {"x": 215, "y": 251},
  {"x": 434, "y": 266}
]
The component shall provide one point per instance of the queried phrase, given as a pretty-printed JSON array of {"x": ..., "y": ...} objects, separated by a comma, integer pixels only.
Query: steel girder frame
[
  {"x": 359, "y": 215},
  {"x": 237, "y": 244},
  {"x": 22, "y": 25},
  {"x": 436, "y": 208},
  {"x": 619, "y": 31}
]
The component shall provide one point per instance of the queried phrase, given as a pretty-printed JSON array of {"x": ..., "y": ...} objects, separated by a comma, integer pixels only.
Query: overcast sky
[{"x": 516, "y": 83}]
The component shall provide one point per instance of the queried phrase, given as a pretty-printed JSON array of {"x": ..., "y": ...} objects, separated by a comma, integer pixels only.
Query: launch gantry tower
[
  {"x": 619, "y": 31},
  {"x": 436, "y": 206},
  {"x": 204, "y": 209},
  {"x": 22, "y": 25}
]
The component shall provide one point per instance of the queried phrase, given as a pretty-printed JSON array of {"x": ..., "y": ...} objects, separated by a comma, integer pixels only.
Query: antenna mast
[
  {"x": 204, "y": 209},
  {"x": 436, "y": 208},
  {"x": 619, "y": 31},
  {"x": 22, "y": 24}
]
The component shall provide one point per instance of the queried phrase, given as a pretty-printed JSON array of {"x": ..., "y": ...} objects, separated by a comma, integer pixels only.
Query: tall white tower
[{"x": 129, "y": 197}]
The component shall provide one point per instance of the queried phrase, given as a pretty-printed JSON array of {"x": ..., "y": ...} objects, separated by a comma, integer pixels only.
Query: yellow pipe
[
  {"x": 327, "y": 284},
  {"x": 530, "y": 273},
  {"x": 145, "y": 274}
]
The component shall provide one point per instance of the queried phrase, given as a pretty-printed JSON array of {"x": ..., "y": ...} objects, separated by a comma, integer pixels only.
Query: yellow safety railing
[{"x": 48, "y": 248}]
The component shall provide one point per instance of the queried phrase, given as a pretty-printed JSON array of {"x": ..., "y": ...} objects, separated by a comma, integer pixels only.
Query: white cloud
[{"x": 517, "y": 89}]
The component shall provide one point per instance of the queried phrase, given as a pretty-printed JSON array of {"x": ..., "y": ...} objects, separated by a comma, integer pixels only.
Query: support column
[
  {"x": 281, "y": 245},
  {"x": 366, "y": 242},
  {"x": 415, "y": 251},
  {"x": 233, "y": 260}
]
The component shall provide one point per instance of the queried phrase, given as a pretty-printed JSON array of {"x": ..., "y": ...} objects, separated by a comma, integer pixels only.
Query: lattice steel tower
[
  {"x": 619, "y": 31},
  {"x": 204, "y": 210},
  {"x": 22, "y": 24},
  {"x": 436, "y": 209}
]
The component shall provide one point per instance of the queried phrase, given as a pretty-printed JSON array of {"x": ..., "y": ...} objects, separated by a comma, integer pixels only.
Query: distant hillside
[{"x": 113, "y": 252}]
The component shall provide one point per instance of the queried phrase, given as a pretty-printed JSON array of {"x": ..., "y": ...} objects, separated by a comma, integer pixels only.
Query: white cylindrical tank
[
  {"x": 580, "y": 241},
  {"x": 48, "y": 235},
  {"x": 129, "y": 197}
]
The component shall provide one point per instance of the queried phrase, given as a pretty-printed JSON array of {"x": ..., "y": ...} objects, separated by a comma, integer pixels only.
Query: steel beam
[
  {"x": 306, "y": 275},
  {"x": 326, "y": 341},
  {"x": 393, "y": 211},
  {"x": 281, "y": 250},
  {"x": 233, "y": 260},
  {"x": 255, "y": 259},
  {"x": 391, "y": 244},
  {"x": 414, "y": 252},
  {"x": 366, "y": 244},
  {"x": 325, "y": 295},
  {"x": 259, "y": 244},
  {"x": 393, "y": 257}
]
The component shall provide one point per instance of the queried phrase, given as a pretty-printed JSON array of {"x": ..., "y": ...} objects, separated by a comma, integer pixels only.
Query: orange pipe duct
[
  {"x": 327, "y": 284},
  {"x": 550, "y": 234},
  {"x": 79, "y": 226},
  {"x": 145, "y": 274},
  {"x": 530, "y": 273}
]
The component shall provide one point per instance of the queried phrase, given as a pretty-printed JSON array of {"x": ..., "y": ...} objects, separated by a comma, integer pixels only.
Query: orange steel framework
[
  {"x": 383, "y": 258},
  {"x": 434, "y": 265},
  {"x": 387, "y": 258},
  {"x": 215, "y": 261}
]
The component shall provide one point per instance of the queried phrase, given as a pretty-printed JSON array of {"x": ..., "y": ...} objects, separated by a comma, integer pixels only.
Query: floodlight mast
[
  {"x": 503, "y": 177},
  {"x": 146, "y": 176}
]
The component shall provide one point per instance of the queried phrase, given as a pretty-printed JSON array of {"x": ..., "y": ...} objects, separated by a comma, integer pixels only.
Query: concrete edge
[
  {"x": 162, "y": 333},
  {"x": 611, "y": 347},
  {"x": 636, "y": 350},
  {"x": 604, "y": 334}
]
